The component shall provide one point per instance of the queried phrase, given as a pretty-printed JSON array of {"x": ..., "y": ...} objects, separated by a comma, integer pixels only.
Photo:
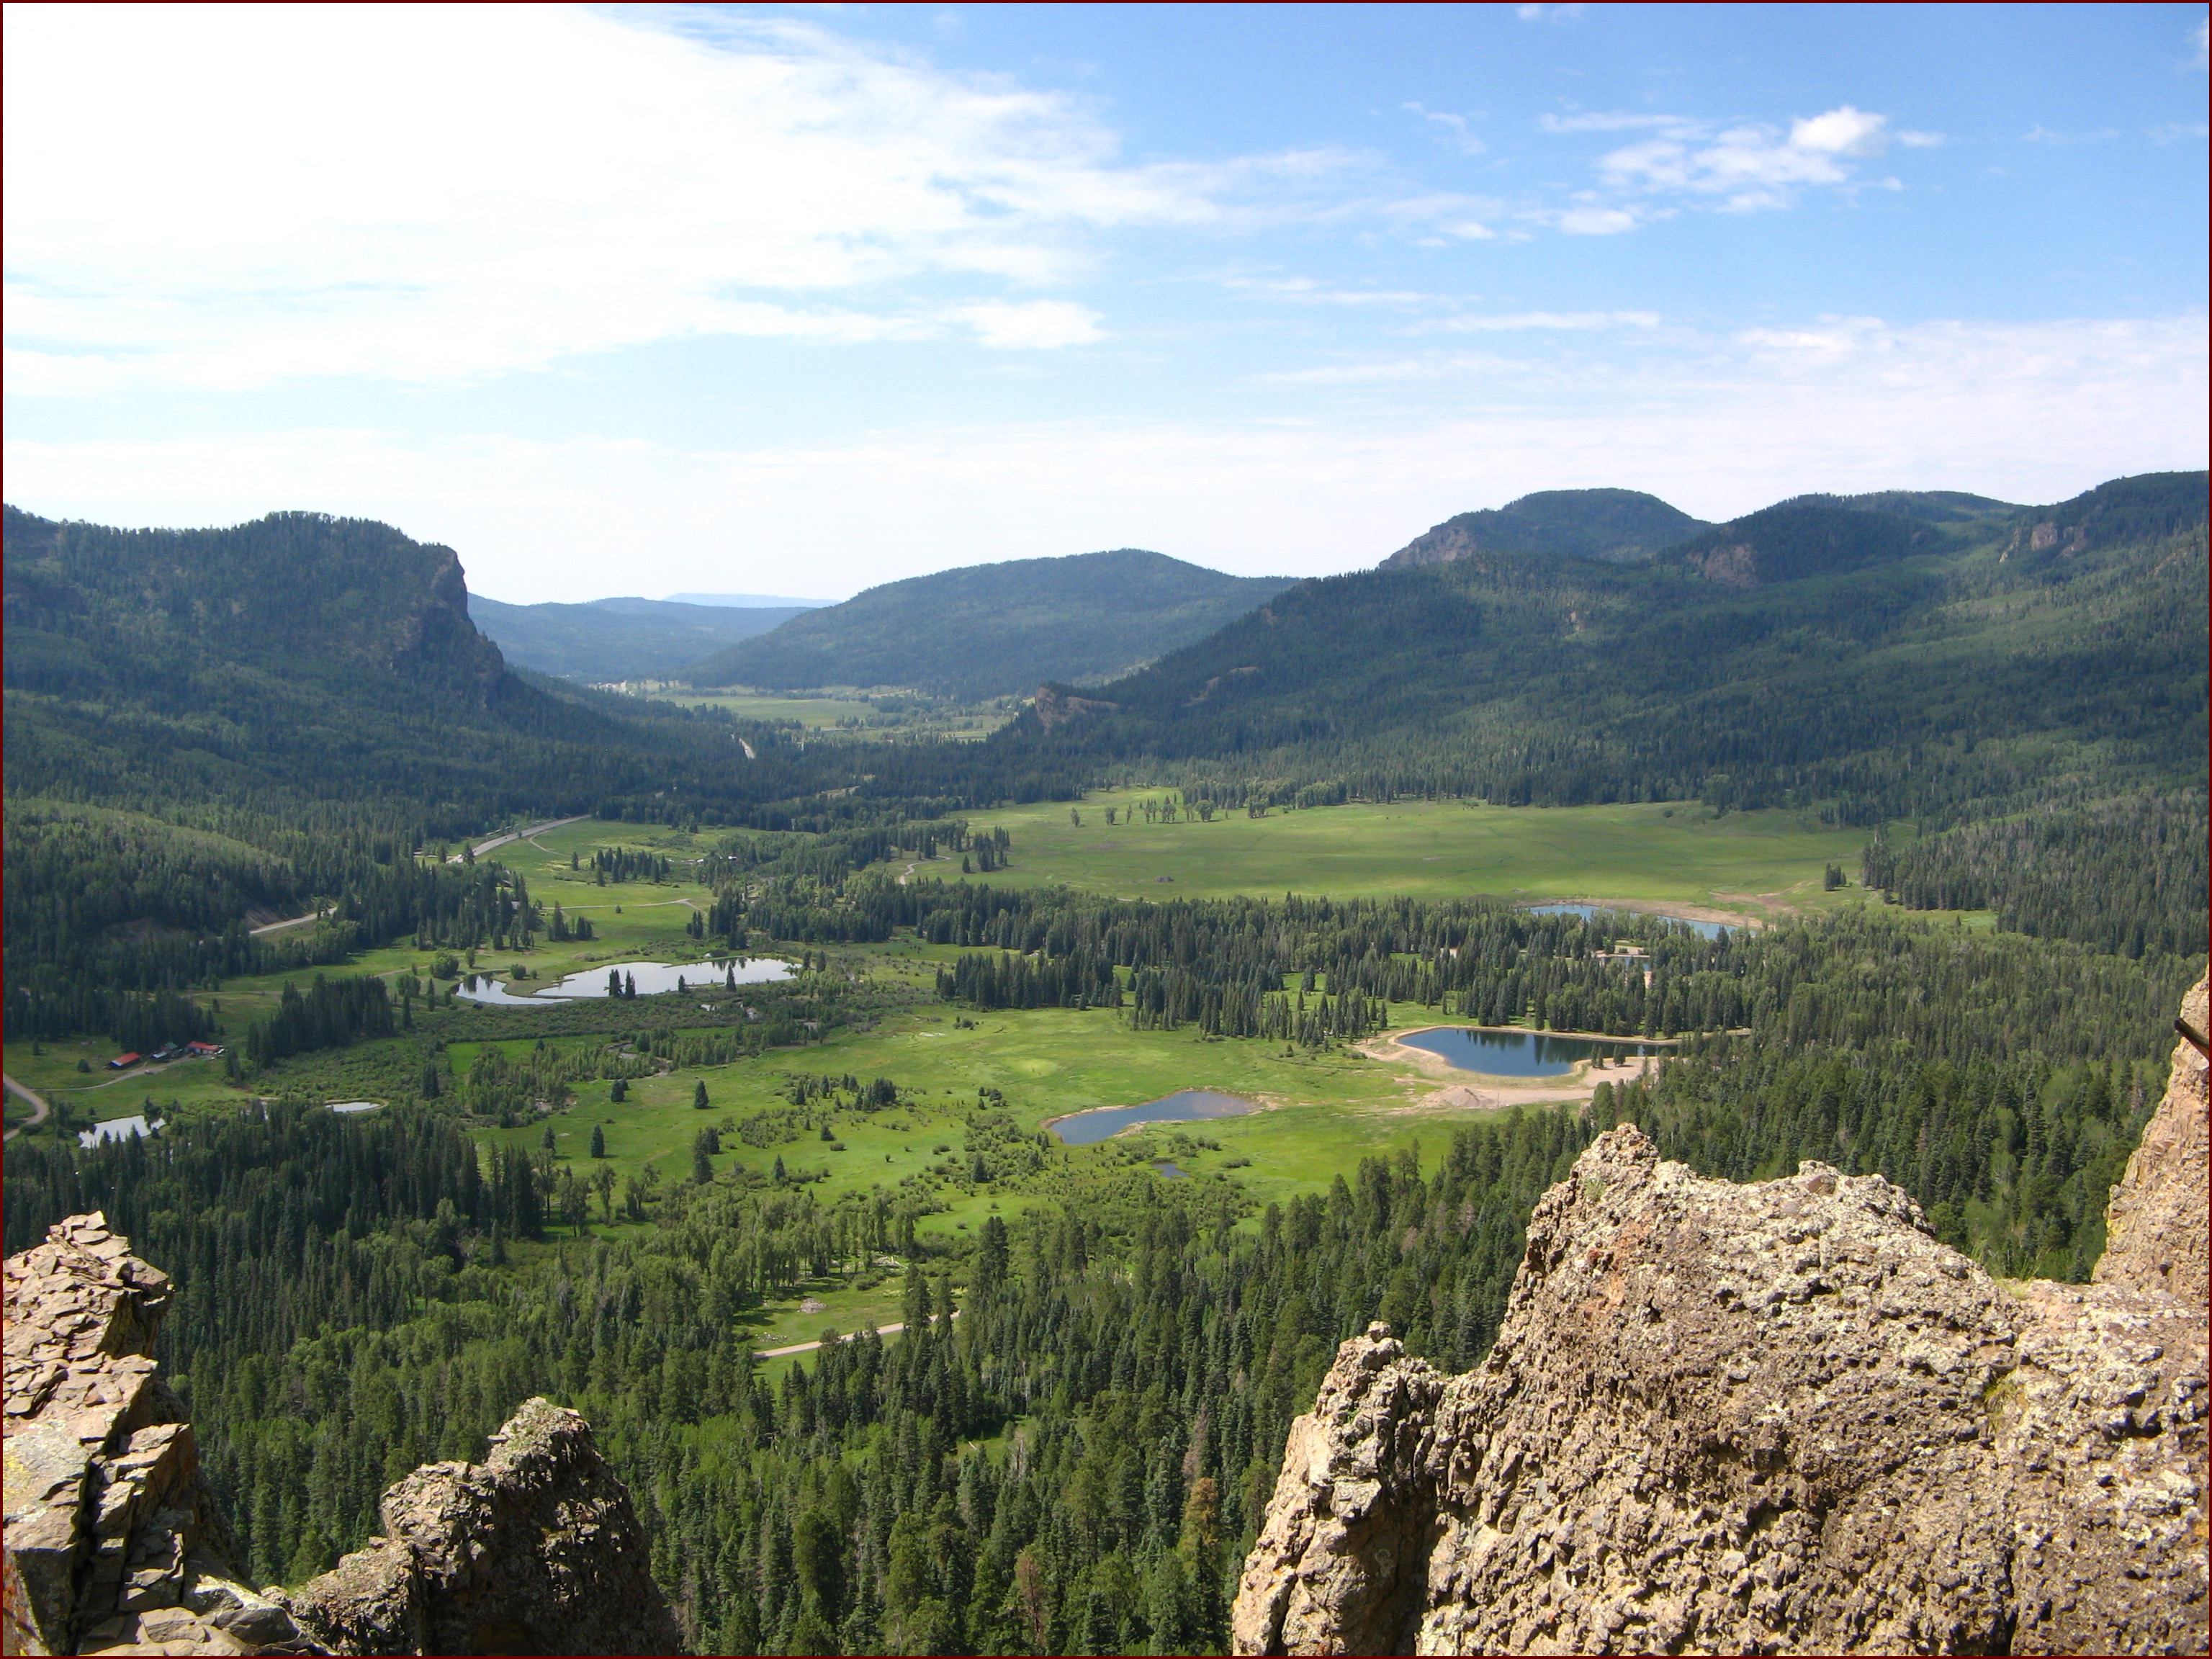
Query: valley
[{"x": 1320, "y": 865}]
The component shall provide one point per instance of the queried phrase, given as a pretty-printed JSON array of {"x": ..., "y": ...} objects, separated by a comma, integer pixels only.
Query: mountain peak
[{"x": 1620, "y": 526}]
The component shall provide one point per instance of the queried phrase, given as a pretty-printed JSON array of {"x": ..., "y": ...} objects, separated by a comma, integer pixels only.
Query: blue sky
[{"x": 798, "y": 299}]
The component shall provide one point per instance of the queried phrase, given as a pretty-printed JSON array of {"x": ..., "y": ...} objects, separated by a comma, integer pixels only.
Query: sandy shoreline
[{"x": 1484, "y": 1093}]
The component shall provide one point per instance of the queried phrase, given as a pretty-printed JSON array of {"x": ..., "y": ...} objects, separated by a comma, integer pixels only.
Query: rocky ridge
[
  {"x": 1774, "y": 1418},
  {"x": 114, "y": 1543}
]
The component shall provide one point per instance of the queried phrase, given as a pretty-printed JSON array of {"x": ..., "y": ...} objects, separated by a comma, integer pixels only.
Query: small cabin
[
  {"x": 204, "y": 1050},
  {"x": 122, "y": 1062}
]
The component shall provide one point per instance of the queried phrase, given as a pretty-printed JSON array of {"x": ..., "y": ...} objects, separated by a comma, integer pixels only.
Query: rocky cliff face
[
  {"x": 115, "y": 1544},
  {"x": 536, "y": 1550},
  {"x": 1776, "y": 1418}
]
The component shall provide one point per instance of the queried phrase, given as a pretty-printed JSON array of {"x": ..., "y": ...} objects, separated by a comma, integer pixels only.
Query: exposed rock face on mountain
[
  {"x": 115, "y": 1544},
  {"x": 536, "y": 1550},
  {"x": 1776, "y": 1418},
  {"x": 2156, "y": 1225},
  {"x": 1621, "y": 526}
]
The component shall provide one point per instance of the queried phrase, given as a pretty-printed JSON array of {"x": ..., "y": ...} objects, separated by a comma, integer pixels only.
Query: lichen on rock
[{"x": 1772, "y": 1418}]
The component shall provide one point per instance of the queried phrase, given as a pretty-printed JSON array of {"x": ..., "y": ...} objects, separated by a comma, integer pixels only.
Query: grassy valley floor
[
  {"x": 1321, "y": 1113},
  {"x": 1679, "y": 856}
]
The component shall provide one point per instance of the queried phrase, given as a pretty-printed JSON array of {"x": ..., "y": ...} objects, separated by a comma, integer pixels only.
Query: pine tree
[
  {"x": 598, "y": 1141},
  {"x": 699, "y": 1094}
]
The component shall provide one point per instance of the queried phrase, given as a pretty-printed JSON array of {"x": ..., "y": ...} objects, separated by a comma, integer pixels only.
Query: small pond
[
  {"x": 1706, "y": 929},
  {"x": 1518, "y": 1054},
  {"x": 1185, "y": 1106},
  {"x": 650, "y": 977},
  {"x": 356, "y": 1105},
  {"x": 1170, "y": 1168},
  {"x": 117, "y": 1128}
]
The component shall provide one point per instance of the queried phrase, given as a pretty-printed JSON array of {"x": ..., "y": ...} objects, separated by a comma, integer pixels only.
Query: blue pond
[
  {"x": 1186, "y": 1106},
  {"x": 1517, "y": 1053},
  {"x": 1707, "y": 929},
  {"x": 651, "y": 977},
  {"x": 116, "y": 1128}
]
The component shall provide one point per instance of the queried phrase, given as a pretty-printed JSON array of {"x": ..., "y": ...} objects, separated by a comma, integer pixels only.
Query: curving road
[
  {"x": 39, "y": 1109},
  {"x": 484, "y": 846},
  {"x": 809, "y": 1348}
]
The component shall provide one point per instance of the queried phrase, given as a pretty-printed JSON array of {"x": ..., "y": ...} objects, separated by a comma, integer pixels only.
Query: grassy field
[
  {"x": 907, "y": 711},
  {"x": 1321, "y": 1113},
  {"x": 1746, "y": 864}
]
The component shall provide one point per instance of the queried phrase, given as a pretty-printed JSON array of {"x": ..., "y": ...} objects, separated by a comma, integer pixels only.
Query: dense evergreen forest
[
  {"x": 208, "y": 725},
  {"x": 210, "y": 730},
  {"x": 1077, "y": 1463},
  {"x": 1940, "y": 672}
]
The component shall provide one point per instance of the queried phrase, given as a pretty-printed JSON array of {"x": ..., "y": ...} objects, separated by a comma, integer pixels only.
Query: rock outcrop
[
  {"x": 115, "y": 1544},
  {"x": 536, "y": 1550},
  {"x": 1776, "y": 1418}
]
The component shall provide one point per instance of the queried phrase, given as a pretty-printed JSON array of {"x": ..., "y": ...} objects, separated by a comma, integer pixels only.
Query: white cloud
[
  {"x": 1510, "y": 322},
  {"x": 1307, "y": 290},
  {"x": 2031, "y": 412},
  {"x": 1456, "y": 127},
  {"x": 1595, "y": 220},
  {"x": 1548, "y": 13},
  {"x": 2201, "y": 41},
  {"x": 1611, "y": 121},
  {"x": 189, "y": 199},
  {"x": 1749, "y": 165},
  {"x": 1034, "y": 323},
  {"x": 1842, "y": 131}
]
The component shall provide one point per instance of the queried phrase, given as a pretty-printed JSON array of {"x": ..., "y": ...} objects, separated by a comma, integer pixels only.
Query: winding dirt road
[
  {"x": 809, "y": 1348},
  {"x": 39, "y": 1109},
  {"x": 484, "y": 846}
]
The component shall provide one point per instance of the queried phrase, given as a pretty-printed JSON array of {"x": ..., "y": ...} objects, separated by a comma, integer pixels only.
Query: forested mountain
[
  {"x": 609, "y": 640},
  {"x": 1618, "y": 526},
  {"x": 1871, "y": 664},
  {"x": 200, "y": 723},
  {"x": 997, "y": 629}
]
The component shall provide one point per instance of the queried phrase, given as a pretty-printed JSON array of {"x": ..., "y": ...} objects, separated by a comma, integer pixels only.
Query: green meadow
[
  {"x": 908, "y": 712},
  {"x": 1319, "y": 1114},
  {"x": 1745, "y": 864}
]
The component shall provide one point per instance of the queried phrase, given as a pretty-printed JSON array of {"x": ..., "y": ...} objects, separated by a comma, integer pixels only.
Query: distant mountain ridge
[
  {"x": 1618, "y": 526},
  {"x": 620, "y": 639},
  {"x": 997, "y": 629},
  {"x": 742, "y": 601},
  {"x": 1813, "y": 652}
]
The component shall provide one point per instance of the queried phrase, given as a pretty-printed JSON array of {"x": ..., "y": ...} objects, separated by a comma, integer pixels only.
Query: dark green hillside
[
  {"x": 618, "y": 639},
  {"x": 1874, "y": 667},
  {"x": 1930, "y": 505},
  {"x": 996, "y": 629},
  {"x": 1618, "y": 526},
  {"x": 1795, "y": 539},
  {"x": 295, "y": 662},
  {"x": 206, "y": 723}
]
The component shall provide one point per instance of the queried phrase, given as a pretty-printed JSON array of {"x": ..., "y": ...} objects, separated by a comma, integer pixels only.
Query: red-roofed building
[{"x": 121, "y": 1062}]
